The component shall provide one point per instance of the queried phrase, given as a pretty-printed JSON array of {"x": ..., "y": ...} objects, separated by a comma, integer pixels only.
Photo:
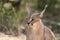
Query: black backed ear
[{"x": 41, "y": 13}]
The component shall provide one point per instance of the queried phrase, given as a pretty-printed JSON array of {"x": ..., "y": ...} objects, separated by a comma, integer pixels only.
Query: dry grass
[{"x": 57, "y": 36}]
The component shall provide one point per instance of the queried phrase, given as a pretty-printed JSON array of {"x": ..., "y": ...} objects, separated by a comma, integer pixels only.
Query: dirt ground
[
  {"x": 19, "y": 37},
  {"x": 10, "y": 37}
]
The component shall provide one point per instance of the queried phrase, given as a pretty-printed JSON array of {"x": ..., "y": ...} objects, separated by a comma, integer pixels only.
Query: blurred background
[{"x": 13, "y": 14}]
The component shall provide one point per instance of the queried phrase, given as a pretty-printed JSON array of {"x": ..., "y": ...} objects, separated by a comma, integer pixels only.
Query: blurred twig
[
  {"x": 4, "y": 26},
  {"x": 51, "y": 22}
]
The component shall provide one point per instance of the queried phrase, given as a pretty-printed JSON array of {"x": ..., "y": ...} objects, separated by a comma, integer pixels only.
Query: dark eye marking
[{"x": 32, "y": 19}]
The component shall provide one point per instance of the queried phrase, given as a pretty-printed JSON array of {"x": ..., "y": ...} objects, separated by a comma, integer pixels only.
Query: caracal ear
[
  {"x": 41, "y": 13},
  {"x": 28, "y": 9}
]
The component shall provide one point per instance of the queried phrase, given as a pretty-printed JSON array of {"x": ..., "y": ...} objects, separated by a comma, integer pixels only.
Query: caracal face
[{"x": 32, "y": 18}]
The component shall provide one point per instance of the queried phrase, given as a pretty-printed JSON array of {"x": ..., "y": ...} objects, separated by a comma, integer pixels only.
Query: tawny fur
[{"x": 37, "y": 31}]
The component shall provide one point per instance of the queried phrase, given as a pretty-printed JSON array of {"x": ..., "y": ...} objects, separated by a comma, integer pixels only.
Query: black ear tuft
[
  {"x": 28, "y": 9},
  {"x": 41, "y": 15}
]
